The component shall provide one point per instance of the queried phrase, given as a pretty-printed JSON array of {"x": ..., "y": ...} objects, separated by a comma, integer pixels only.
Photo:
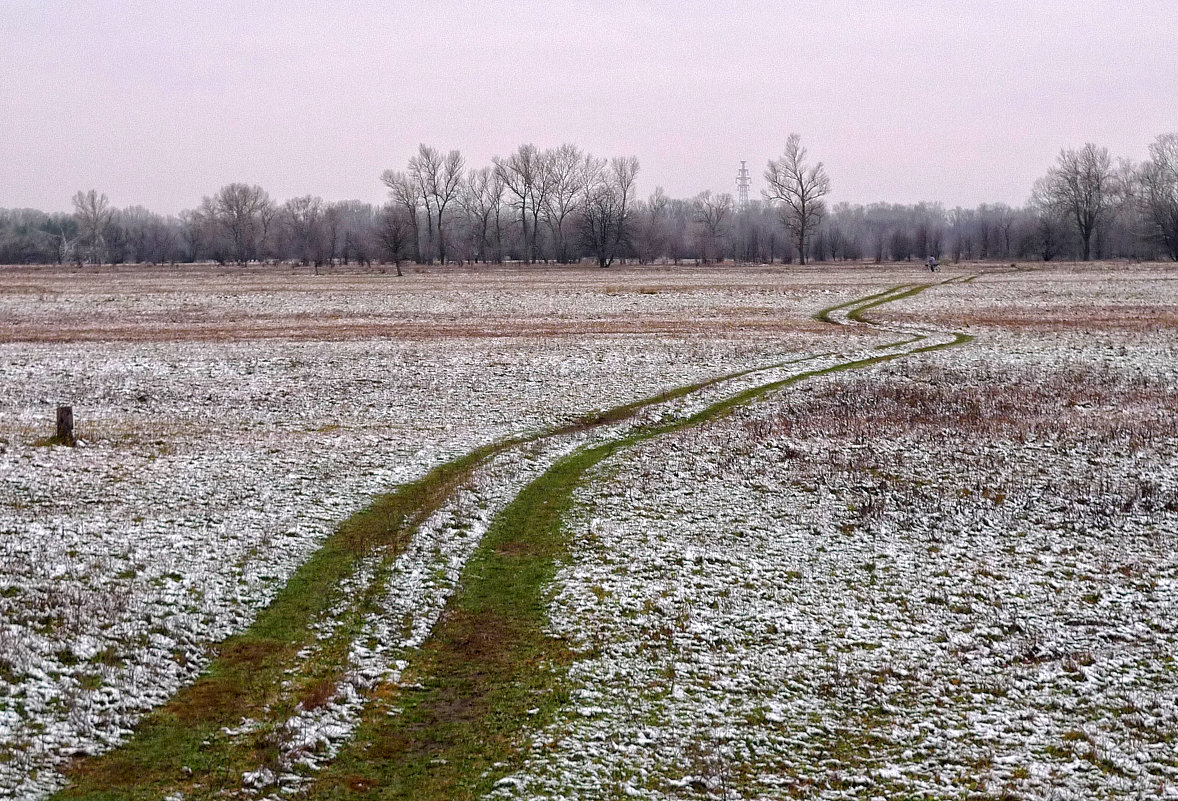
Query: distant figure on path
[{"x": 932, "y": 264}]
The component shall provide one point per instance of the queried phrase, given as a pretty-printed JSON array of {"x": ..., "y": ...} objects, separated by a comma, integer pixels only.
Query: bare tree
[
  {"x": 162, "y": 240},
  {"x": 712, "y": 215},
  {"x": 1081, "y": 188},
  {"x": 197, "y": 232},
  {"x": 651, "y": 229},
  {"x": 134, "y": 221},
  {"x": 1051, "y": 225},
  {"x": 63, "y": 230},
  {"x": 146, "y": 236},
  {"x": 404, "y": 193},
  {"x": 437, "y": 179},
  {"x": 520, "y": 174},
  {"x": 606, "y": 218},
  {"x": 799, "y": 189},
  {"x": 245, "y": 214},
  {"x": 542, "y": 186},
  {"x": 928, "y": 219},
  {"x": 562, "y": 193},
  {"x": 94, "y": 215},
  {"x": 423, "y": 173},
  {"x": 1085, "y": 203},
  {"x": 482, "y": 200},
  {"x": 357, "y": 229},
  {"x": 303, "y": 217},
  {"x": 599, "y": 219},
  {"x": 624, "y": 173},
  {"x": 962, "y": 225},
  {"x": 1159, "y": 192},
  {"x": 394, "y": 231},
  {"x": 117, "y": 241},
  {"x": 444, "y": 185},
  {"x": 1004, "y": 224}
]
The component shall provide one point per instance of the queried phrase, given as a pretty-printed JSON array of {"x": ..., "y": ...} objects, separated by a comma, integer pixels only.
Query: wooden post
[{"x": 65, "y": 425}]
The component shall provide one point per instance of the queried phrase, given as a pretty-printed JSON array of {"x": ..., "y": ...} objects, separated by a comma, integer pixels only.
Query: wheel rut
[{"x": 326, "y": 696}]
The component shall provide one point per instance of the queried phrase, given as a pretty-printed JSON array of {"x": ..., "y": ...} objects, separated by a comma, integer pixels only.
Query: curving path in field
[{"x": 408, "y": 656}]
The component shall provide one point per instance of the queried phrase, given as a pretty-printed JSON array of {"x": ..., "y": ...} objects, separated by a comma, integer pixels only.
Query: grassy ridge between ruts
[
  {"x": 485, "y": 667},
  {"x": 823, "y": 315}
]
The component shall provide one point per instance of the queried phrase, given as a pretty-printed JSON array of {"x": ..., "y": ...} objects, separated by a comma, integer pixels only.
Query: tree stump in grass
[{"x": 65, "y": 425}]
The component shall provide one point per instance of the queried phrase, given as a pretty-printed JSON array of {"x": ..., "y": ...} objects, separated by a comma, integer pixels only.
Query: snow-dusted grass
[
  {"x": 955, "y": 575},
  {"x": 950, "y": 574},
  {"x": 211, "y": 467},
  {"x": 1052, "y": 298},
  {"x": 207, "y": 303}
]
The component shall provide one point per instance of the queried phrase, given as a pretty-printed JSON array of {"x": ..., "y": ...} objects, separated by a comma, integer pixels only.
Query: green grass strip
[{"x": 824, "y": 314}]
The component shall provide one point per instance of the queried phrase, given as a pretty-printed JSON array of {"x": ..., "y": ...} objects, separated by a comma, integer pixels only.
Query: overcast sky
[{"x": 963, "y": 102}]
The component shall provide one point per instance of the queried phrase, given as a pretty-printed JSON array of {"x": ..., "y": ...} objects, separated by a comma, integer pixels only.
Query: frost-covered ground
[
  {"x": 951, "y": 576},
  {"x": 1068, "y": 297},
  {"x": 230, "y": 419}
]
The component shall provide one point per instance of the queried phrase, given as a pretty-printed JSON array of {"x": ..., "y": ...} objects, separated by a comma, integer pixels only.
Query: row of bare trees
[
  {"x": 560, "y": 204},
  {"x": 1085, "y": 191},
  {"x": 535, "y": 204},
  {"x": 563, "y": 205}
]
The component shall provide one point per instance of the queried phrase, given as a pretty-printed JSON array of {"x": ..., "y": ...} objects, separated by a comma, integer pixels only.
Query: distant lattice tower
[{"x": 743, "y": 182}]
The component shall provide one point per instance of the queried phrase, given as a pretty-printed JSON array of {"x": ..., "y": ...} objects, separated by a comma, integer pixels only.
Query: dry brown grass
[
  {"x": 980, "y": 442},
  {"x": 1129, "y": 317},
  {"x": 1093, "y": 402},
  {"x": 341, "y": 330}
]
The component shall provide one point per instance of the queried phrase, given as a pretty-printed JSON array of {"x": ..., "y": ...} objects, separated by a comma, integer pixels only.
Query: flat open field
[{"x": 693, "y": 532}]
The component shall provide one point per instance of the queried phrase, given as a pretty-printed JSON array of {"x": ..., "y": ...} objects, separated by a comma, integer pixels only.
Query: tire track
[
  {"x": 490, "y": 672},
  {"x": 445, "y": 721}
]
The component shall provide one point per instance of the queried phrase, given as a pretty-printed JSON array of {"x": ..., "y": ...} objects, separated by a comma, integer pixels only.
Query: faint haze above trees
[{"x": 564, "y": 205}]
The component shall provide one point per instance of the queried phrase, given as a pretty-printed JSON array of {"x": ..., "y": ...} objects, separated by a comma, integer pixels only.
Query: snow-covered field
[
  {"x": 230, "y": 419},
  {"x": 949, "y": 575}
]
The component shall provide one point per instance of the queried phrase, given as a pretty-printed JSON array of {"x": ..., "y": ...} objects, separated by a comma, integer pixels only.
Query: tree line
[{"x": 565, "y": 205}]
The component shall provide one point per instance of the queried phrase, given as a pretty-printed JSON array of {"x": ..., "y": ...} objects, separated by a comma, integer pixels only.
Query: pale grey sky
[{"x": 904, "y": 100}]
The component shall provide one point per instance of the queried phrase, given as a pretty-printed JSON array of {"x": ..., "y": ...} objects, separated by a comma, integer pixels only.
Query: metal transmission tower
[{"x": 742, "y": 187}]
